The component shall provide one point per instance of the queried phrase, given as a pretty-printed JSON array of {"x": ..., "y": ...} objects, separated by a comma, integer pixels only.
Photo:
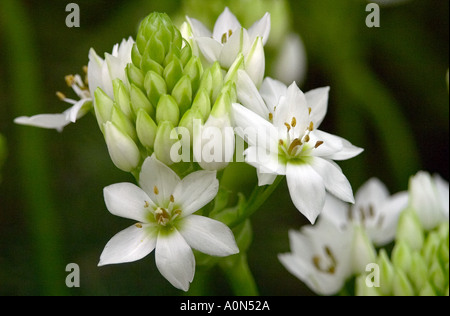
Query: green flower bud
[
  {"x": 194, "y": 70},
  {"x": 103, "y": 107},
  {"x": 163, "y": 143},
  {"x": 202, "y": 103},
  {"x": 167, "y": 110},
  {"x": 401, "y": 285},
  {"x": 155, "y": 86},
  {"x": 122, "y": 122},
  {"x": 363, "y": 251},
  {"x": 139, "y": 101},
  {"x": 386, "y": 273},
  {"x": 427, "y": 290},
  {"x": 122, "y": 149},
  {"x": 148, "y": 64},
  {"x": 172, "y": 73},
  {"x": 361, "y": 289},
  {"x": 409, "y": 230},
  {"x": 232, "y": 72},
  {"x": 146, "y": 129},
  {"x": 189, "y": 119},
  {"x": 430, "y": 249},
  {"x": 122, "y": 97},
  {"x": 437, "y": 277},
  {"x": 186, "y": 54},
  {"x": 135, "y": 76},
  {"x": 206, "y": 83},
  {"x": 217, "y": 80},
  {"x": 418, "y": 273},
  {"x": 182, "y": 93},
  {"x": 402, "y": 256}
]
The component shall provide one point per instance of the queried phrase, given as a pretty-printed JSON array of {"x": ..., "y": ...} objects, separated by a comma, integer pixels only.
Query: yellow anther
[
  {"x": 309, "y": 110},
  {"x": 172, "y": 199},
  {"x": 85, "y": 69},
  {"x": 155, "y": 190},
  {"x": 294, "y": 122},
  {"x": 306, "y": 138},
  {"x": 296, "y": 142},
  {"x": 60, "y": 95},
  {"x": 287, "y": 126},
  {"x": 318, "y": 143},
  {"x": 146, "y": 204},
  {"x": 70, "y": 80},
  {"x": 281, "y": 142},
  {"x": 138, "y": 225},
  {"x": 270, "y": 117},
  {"x": 311, "y": 126}
]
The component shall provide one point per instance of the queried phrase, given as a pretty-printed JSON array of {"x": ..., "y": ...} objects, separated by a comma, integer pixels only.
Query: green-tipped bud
[
  {"x": 182, "y": 93},
  {"x": 135, "y": 76},
  {"x": 194, "y": 70},
  {"x": 103, "y": 107},
  {"x": 437, "y": 277},
  {"x": 217, "y": 80},
  {"x": 163, "y": 143},
  {"x": 361, "y": 288},
  {"x": 255, "y": 62},
  {"x": 222, "y": 106},
  {"x": 418, "y": 273},
  {"x": 139, "y": 101},
  {"x": 122, "y": 97},
  {"x": 233, "y": 71},
  {"x": 185, "y": 54},
  {"x": 386, "y": 273},
  {"x": 363, "y": 251},
  {"x": 146, "y": 129},
  {"x": 430, "y": 249},
  {"x": 427, "y": 290},
  {"x": 401, "y": 285},
  {"x": 149, "y": 64},
  {"x": 155, "y": 86},
  {"x": 202, "y": 103},
  {"x": 122, "y": 149},
  {"x": 122, "y": 122},
  {"x": 167, "y": 110},
  {"x": 172, "y": 73},
  {"x": 188, "y": 120},
  {"x": 402, "y": 256},
  {"x": 409, "y": 230},
  {"x": 206, "y": 83}
]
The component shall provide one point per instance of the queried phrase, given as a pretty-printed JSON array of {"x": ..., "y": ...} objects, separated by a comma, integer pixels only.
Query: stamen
[
  {"x": 296, "y": 142},
  {"x": 311, "y": 126},
  {"x": 146, "y": 204},
  {"x": 155, "y": 190},
  {"x": 70, "y": 80},
  {"x": 316, "y": 262},
  {"x": 281, "y": 142},
  {"x": 309, "y": 110},
  {"x": 172, "y": 199},
  {"x": 270, "y": 117},
  {"x": 318, "y": 143},
  {"x": 306, "y": 138},
  {"x": 85, "y": 69},
  {"x": 226, "y": 36},
  {"x": 138, "y": 225},
  {"x": 371, "y": 211},
  {"x": 162, "y": 216},
  {"x": 60, "y": 95},
  {"x": 294, "y": 122},
  {"x": 287, "y": 126}
]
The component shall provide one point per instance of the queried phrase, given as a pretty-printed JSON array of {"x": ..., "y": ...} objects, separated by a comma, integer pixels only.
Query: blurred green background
[{"x": 388, "y": 95}]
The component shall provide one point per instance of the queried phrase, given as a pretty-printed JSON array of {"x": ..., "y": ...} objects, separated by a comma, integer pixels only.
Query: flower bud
[
  {"x": 418, "y": 271},
  {"x": 202, "y": 103},
  {"x": 135, "y": 76},
  {"x": 361, "y": 288},
  {"x": 182, "y": 93},
  {"x": 122, "y": 149},
  {"x": 122, "y": 122},
  {"x": 172, "y": 73},
  {"x": 194, "y": 70},
  {"x": 139, "y": 101},
  {"x": 386, "y": 273},
  {"x": 163, "y": 142},
  {"x": 155, "y": 86},
  {"x": 103, "y": 106},
  {"x": 188, "y": 121},
  {"x": 401, "y": 285},
  {"x": 167, "y": 110},
  {"x": 146, "y": 129},
  {"x": 363, "y": 251},
  {"x": 409, "y": 230},
  {"x": 255, "y": 62},
  {"x": 402, "y": 256},
  {"x": 122, "y": 97}
]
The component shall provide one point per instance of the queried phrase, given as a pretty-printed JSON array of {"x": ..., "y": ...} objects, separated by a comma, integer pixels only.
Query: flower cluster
[
  {"x": 172, "y": 105},
  {"x": 343, "y": 245}
]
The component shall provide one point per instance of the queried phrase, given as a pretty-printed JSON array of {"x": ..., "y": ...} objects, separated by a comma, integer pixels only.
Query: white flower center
[
  {"x": 329, "y": 268},
  {"x": 165, "y": 215}
]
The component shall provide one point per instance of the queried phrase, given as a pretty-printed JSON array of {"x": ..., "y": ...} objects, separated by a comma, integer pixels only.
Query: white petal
[
  {"x": 336, "y": 211},
  {"x": 174, "y": 259},
  {"x": 198, "y": 28},
  {"x": 253, "y": 128},
  {"x": 334, "y": 180},
  {"x": 443, "y": 193},
  {"x": 373, "y": 191},
  {"x": 78, "y": 110},
  {"x": 334, "y": 147},
  {"x": 195, "y": 191},
  {"x": 260, "y": 28},
  {"x": 255, "y": 62},
  {"x": 50, "y": 121},
  {"x": 208, "y": 236},
  {"x": 226, "y": 22},
  {"x": 307, "y": 189},
  {"x": 249, "y": 96},
  {"x": 158, "y": 180},
  {"x": 231, "y": 49},
  {"x": 264, "y": 161},
  {"x": 210, "y": 48},
  {"x": 127, "y": 200},
  {"x": 317, "y": 100},
  {"x": 265, "y": 178},
  {"x": 131, "y": 244},
  {"x": 271, "y": 91}
]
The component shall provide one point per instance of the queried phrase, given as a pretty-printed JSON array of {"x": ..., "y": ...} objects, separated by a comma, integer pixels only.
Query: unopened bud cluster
[{"x": 167, "y": 88}]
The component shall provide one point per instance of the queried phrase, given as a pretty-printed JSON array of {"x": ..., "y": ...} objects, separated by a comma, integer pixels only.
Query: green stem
[
  {"x": 239, "y": 276},
  {"x": 33, "y": 162}
]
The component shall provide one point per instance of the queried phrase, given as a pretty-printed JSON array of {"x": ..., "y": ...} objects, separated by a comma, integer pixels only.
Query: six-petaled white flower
[
  {"x": 163, "y": 207},
  {"x": 229, "y": 39},
  {"x": 280, "y": 124},
  {"x": 375, "y": 210}
]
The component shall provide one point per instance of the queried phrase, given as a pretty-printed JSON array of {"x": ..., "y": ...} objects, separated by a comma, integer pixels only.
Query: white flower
[
  {"x": 100, "y": 73},
  {"x": 229, "y": 39},
  {"x": 429, "y": 197},
  {"x": 164, "y": 210},
  {"x": 59, "y": 121},
  {"x": 280, "y": 125},
  {"x": 375, "y": 210},
  {"x": 321, "y": 256}
]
